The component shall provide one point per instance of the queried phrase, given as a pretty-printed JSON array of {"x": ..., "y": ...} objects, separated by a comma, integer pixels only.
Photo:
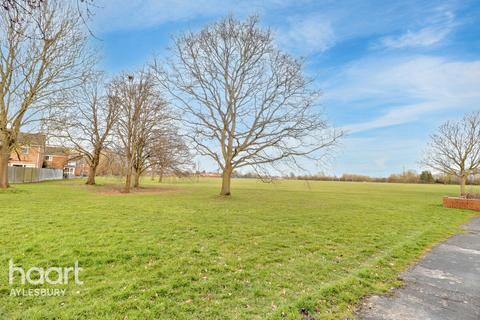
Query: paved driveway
[{"x": 445, "y": 285}]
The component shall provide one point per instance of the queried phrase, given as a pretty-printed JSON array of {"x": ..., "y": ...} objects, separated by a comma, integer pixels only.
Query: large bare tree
[
  {"x": 244, "y": 102},
  {"x": 141, "y": 117},
  {"x": 40, "y": 59},
  {"x": 86, "y": 125},
  {"x": 455, "y": 148}
]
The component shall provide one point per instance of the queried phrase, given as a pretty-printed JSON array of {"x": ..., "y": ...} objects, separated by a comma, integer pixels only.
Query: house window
[
  {"x": 48, "y": 158},
  {"x": 69, "y": 171},
  {"x": 24, "y": 149},
  {"x": 21, "y": 165},
  {"x": 71, "y": 163}
]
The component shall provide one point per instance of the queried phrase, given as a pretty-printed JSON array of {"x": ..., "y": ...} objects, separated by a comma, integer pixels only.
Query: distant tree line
[{"x": 409, "y": 176}]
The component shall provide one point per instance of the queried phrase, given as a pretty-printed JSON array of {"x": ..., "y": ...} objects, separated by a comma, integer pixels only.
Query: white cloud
[
  {"x": 303, "y": 34},
  {"x": 423, "y": 38},
  {"x": 395, "y": 116},
  {"x": 115, "y": 15},
  {"x": 438, "y": 28},
  {"x": 307, "y": 35},
  {"x": 404, "y": 90},
  {"x": 420, "y": 77}
]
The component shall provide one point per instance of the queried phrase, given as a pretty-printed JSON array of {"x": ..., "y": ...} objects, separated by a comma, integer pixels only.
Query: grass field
[{"x": 266, "y": 253}]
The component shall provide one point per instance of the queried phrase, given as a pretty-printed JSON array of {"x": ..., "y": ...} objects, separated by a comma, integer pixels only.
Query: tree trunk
[
  {"x": 128, "y": 181},
  {"x": 136, "y": 183},
  {"x": 463, "y": 182},
  {"x": 4, "y": 156},
  {"x": 226, "y": 178},
  {"x": 160, "y": 176},
  {"x": 92, "y": 172},
  {"x": 129, "y": 171}
]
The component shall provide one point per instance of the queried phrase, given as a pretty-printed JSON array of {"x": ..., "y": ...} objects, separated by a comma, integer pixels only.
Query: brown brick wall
[
  {"x": 81, "y": 169},
  {"x": 461, "y": 203},
  {"x": 34, "y": 157},
  {"x": 58, "y": 162}
]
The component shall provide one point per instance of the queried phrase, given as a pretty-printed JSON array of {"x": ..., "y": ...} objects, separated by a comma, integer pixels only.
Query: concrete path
[{"x": 443, "y": 285}]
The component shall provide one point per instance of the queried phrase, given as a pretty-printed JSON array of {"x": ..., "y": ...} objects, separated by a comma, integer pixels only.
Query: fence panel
[
  {"x": 50, "y": 174},
  {"x": 27, "y": 175}
]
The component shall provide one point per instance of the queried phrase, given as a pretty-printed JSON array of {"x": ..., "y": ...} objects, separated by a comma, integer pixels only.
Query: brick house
[
  {"x": 81, "y": 167},
  {"x": 72, "y": 163},
  {"x": 33, "y": 152},
  {"x": 30, "y": 151}
]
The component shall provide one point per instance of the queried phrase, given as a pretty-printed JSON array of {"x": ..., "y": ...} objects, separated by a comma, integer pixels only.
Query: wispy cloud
[
  {"x": 404, "y": 90},
  {"x": 307, "y": 34},
  {"x": 115, "y": 15},
  {"x": 118, "y": 15},
  {"x": 395, "y": 116},
  {"x": 438, "y": 28},
  {"x": 422, "y": 38}
]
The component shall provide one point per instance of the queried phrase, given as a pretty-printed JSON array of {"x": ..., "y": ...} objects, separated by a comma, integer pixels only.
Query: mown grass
[{"x": 267, "y": 253}]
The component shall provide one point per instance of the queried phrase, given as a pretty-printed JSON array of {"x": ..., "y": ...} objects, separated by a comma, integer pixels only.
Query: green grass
[{"x": 266, "y": 253}]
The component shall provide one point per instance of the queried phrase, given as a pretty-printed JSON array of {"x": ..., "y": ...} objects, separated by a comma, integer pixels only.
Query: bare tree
[
  {"x": 86, "y": 125},
  {"x": 171, "y": 155},
  {"x": 111, "y": 162},
  {"x": 455, "y": 148},
  {"x": 148, "y": 139},
  {"x": 245, "y": 102},
  {"x": 39, "y": 62},
  {"x": 141, "y": 112},
  {"x": 20, "y": 10},
  {"x": 16, "y": 7}
]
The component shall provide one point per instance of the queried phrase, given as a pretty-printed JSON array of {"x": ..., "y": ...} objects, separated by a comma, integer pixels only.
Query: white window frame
[
  {"x": 22, "y": 165},
  {"x": 25, "y": 149}
]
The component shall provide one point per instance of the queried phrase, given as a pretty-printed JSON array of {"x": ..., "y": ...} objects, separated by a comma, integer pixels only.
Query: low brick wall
[{"x": 461, "y": 203}]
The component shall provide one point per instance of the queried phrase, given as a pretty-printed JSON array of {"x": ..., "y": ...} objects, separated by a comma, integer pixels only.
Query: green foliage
[
  {"x": 267, "y": 253},
  {"x": 426, "y": 177}
]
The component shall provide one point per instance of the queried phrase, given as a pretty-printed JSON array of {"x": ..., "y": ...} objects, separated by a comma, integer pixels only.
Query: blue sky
[{"x": 390, "y": 71}]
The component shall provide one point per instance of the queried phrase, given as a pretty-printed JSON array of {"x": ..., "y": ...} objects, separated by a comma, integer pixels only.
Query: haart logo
[{"x": 40, "y": 276}]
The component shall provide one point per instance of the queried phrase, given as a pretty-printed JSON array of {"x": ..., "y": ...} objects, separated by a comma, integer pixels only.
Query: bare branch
[
  {"x": 143, "y": 119},
  {"x": 455, "y": 148},
  {"x": 41, "y": 60},
  {"x": 243, "y": 101},
  {"x": 86, "y": 125}
]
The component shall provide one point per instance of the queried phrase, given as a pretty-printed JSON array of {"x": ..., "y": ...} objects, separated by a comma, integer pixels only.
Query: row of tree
[
  {"x": 127, "y": 118},
  {"x": 226, "y": 92},
  {"x": 48, "y": 80},
  {"x": 409, "y": 176}
]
